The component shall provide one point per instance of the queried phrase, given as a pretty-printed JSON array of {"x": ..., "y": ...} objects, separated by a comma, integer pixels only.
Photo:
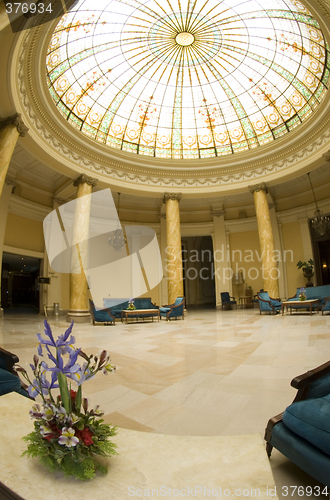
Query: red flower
[
  {"x": 86, "y": 436},
  {"x": 73, "y": 394}
]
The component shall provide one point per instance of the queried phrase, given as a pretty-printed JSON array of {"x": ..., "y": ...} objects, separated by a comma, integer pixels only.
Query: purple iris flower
[
  {"x": 46, "y": 385},
  {"x": 61, "y": 342},
  {"x": 69, "y": 368}
]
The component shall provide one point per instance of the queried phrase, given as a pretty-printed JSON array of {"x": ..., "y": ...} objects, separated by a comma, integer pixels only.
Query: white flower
[
  {"x": 49, "y": 411},
  {"x": 61, "y": 414},
  {"x": 68, "y": 438}
]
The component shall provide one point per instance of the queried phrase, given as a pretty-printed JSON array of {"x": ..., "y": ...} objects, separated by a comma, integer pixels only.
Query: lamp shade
[{"x": 238, "y": 279}]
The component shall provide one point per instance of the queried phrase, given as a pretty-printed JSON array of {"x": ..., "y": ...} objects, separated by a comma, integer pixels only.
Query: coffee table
[
  {"x": 300, "y": 304},
  {"x": 139, "y": 313}
]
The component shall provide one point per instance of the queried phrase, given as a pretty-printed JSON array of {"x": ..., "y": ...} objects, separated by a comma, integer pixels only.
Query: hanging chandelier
[
  {"x": 320, "y": 222},
  {"x": 118, "y": 240}
]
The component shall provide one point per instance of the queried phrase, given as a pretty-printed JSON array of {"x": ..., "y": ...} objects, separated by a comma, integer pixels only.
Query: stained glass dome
[{"x": 183, "y": 79}]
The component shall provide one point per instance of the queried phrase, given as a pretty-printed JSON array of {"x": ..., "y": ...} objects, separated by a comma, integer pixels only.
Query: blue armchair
[
  {"x": 267, "y": 304},
  {"x": 101, "y": 315},
  {"x": 302, "y": 431},
  {"x": 9, "y": 379},
  {"x": 225, "y": 300},
  {"x": 173, "y": 310}
]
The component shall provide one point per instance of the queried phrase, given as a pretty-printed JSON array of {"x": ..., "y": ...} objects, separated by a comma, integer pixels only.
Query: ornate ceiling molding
[{"x": 65, "y": 146}]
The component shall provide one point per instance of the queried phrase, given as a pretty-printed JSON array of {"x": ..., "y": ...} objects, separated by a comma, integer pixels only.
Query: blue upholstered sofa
[
  {"x": 9, "y": 380},
  {"x": 173, "y": 310},
  {"x": 103, "y": 316},
  {"x": 322, "y": 293},
  {"x": 267, "y": 304},
  {"x": 302, "y": 431},
  {"x": 140, "y": 303}
]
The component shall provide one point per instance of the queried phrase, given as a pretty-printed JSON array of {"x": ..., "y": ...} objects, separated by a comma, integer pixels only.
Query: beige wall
[
  {"x": 246, "y": 258},
  {"x": 24, "y": 233},
  {"x": 292, "y": 240}
]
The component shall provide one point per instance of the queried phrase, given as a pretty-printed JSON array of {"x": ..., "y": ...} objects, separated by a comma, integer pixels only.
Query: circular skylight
[{"x": 182, "y": 79}]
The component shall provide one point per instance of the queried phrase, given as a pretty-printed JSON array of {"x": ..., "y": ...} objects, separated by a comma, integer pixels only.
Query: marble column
[
  {"x": 222, "y": 270},
  {"x": 162, "y": 246},
  {"x": 278, "y": 249},
  {"x": 4, "y": 205},
  {"x": 173, "y": 249},
  {"x": 266, "y": 238},
  {"x": 10, "y": 130},
  {"x": 79, "y": 309}
]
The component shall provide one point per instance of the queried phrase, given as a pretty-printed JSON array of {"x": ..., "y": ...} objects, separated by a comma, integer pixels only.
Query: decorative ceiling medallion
[{"x": 176, "y": 79}]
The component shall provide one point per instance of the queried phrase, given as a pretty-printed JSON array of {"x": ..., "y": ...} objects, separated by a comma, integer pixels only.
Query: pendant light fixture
[
  {"x": 320, "y": 222},
  {"x": 118, "y": 240}
]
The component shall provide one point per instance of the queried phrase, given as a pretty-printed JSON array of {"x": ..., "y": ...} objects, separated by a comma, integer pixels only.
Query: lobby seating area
[
  {"x": 322, "y": 293},
  {"x": 140, "y": 303}
]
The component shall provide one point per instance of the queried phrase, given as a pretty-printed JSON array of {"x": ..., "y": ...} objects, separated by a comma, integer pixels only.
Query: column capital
[
  {"x": 14, "y": 120},
  {"x": 59, "y": 200},
  {"x": 326, "y": 155},
  {"x": 84, "y": 179},
  {"x": 271, "y": 205},
  {"x": 258, "y": 187},
  {"x": 161, "y": 215},
  {"x": 172, "y": 196},
  {"x": 217, "y": 213},
  {"x": 11, "y": 181}
]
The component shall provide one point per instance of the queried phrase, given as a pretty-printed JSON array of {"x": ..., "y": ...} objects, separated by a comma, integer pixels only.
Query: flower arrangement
[
  {"x": 302, "y": 295},
  {"x": 67, "y": 434},
  {"x": 131, "y": 305}
]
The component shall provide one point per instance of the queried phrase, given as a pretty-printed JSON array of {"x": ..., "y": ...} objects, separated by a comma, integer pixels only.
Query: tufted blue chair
[
  {"x": 173, "y": 310},
  {"x": 267, "y": 304},
  {"x": 302, "y": 431},
  {"x": 101, "y": 315}
]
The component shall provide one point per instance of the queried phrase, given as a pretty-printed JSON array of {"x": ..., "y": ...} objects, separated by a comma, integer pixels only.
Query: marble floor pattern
[{"x": 216, "y": 373}]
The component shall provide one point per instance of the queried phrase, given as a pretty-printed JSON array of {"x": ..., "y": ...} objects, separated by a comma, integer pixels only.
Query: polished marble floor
[{"x": 215, "y": 373}]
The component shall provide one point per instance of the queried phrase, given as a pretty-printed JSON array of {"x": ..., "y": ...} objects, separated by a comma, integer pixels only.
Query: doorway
[
  {"x": 19, "y": 284},
  {"x": 198, "y": 271}
]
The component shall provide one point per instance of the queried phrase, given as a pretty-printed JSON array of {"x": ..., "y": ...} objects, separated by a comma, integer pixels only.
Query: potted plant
[{"x": 308, "y": 270}]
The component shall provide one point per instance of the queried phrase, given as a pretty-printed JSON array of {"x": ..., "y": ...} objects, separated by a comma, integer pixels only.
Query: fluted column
[
  {"x": 174, "y": 254},
  {"x": 266, "y": 238},
  {"x": 10, "y": 130},
  {"x": 79, "y": 310}
]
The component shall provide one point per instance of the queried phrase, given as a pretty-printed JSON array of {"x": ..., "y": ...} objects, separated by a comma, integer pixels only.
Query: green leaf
[{"x": 64, "y": 391}]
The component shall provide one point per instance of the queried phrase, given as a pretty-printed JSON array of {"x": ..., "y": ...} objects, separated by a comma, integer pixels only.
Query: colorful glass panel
[{"x": 183, "y": 79}]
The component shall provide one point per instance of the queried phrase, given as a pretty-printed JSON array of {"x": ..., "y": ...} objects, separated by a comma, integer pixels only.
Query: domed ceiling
[{"x": 181, "y": 79}]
